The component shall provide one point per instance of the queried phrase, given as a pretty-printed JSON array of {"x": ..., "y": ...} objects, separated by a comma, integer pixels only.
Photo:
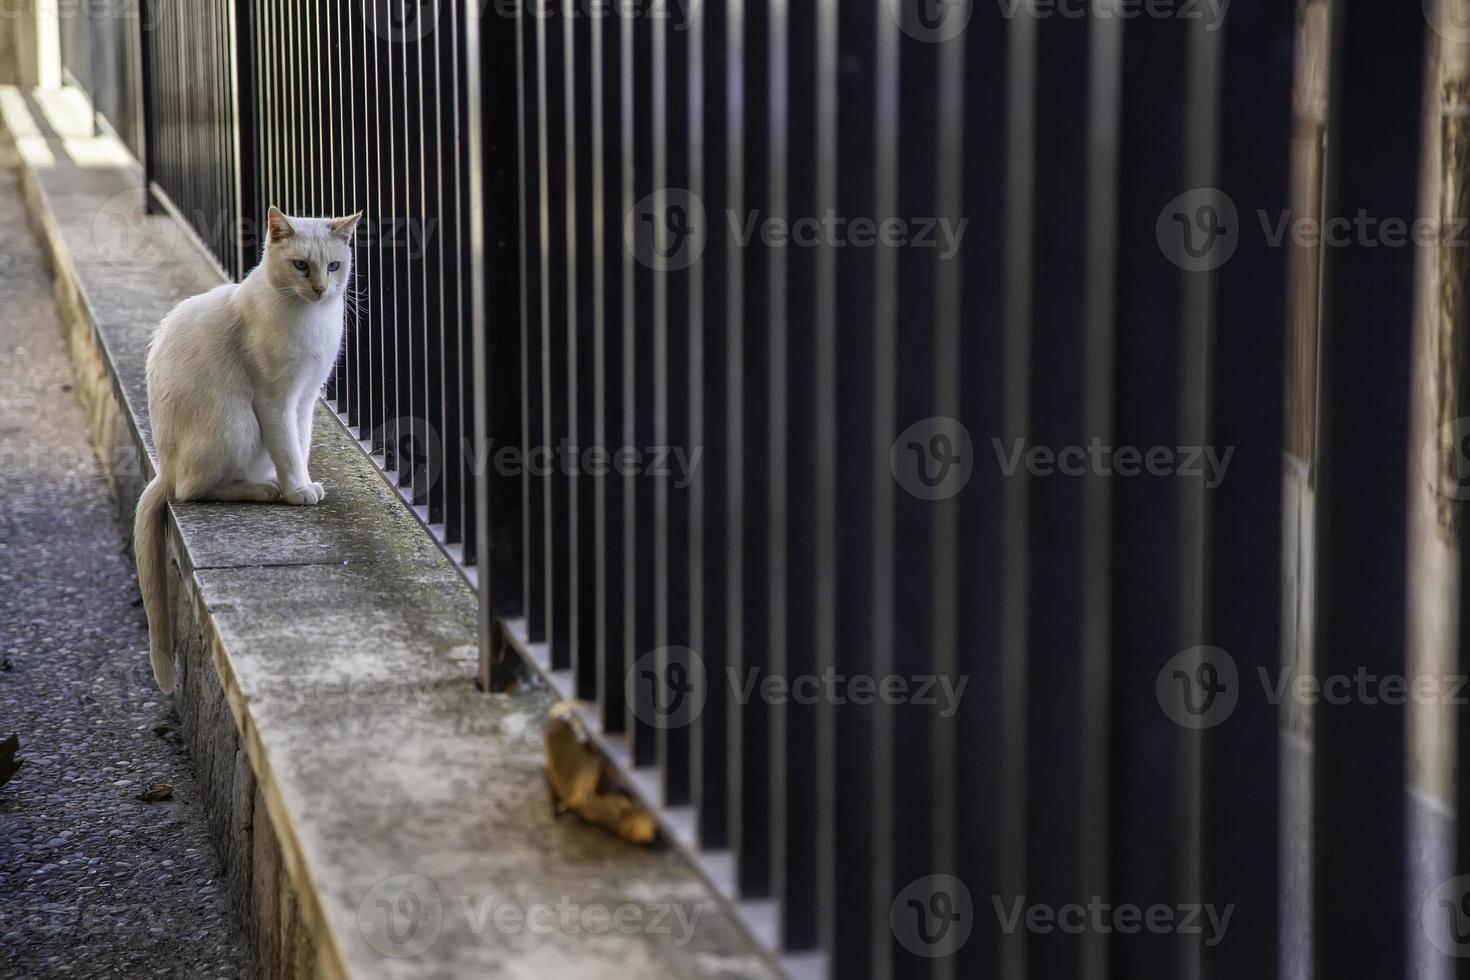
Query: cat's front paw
[{"x": 305, "y": 496}]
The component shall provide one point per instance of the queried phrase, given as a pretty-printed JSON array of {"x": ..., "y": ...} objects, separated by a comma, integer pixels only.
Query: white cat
[{"x": 233, "y": 378}]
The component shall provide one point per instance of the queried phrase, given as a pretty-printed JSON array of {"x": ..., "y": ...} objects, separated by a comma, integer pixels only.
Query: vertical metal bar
[
  {"x": 1154, "y": 835},
  {"x": 644, "y": 384},
  {"x": 907, "y": 395},
  {"x": 944, "y": 733},
  {"x": 672, "y": 332},
  {"x": 707, "y": 185},
  {"x": 499, "y": 154},
  {"x": 1373, "y": 160},
  {"x": 557, "y": 325},
  {"x": 407, "y": 124},
  {"x": 382, "y": 319},
  {"x": 750, "y": 768},
  {"x": 364, "y": 280},
  {"x": 478, "y": 217},
  {"x": 348, "y": 154},
  {"x": 291, "y": 114},
  {"x": 335, "y": 114},
  {"x": 463, "y": 423},
  {"x": 269, "y": 139},
  {"x": 1057, "y": 420},
  {"x": 152, "y": 120},
  {"x": 430, "y": 478},
  {"x": 855, "y": 786},
  {"x": 533, "y": 182},
  {"x": 823, "y": 503},
  {"x": 246, "y": 132},
  {"x": 1095, "y": 600},
  {"x": 614, "y": 264},
  {"x": 1244, "y": 601},
  {"x": 502, "y": 142},
  {"x": 585, "y": 271},
  {"x": 777, "y": 92}
]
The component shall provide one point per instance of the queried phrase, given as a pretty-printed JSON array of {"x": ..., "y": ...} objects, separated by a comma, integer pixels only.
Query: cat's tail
[{"x": 150, "y": 552}]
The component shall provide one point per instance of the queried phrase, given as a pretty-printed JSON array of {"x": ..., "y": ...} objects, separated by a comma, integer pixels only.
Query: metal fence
[
  {"x": 716, "y": 341},
  {"x": 100, "y": 52}
]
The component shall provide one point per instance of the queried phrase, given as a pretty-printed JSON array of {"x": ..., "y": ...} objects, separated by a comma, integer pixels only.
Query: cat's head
[{"x": 310, "y": 256}]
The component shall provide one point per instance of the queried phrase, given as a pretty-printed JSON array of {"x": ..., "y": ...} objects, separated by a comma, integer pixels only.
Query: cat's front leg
[
  {"x": 305, "y": 414},
  {"x": 279, "y": 423}
]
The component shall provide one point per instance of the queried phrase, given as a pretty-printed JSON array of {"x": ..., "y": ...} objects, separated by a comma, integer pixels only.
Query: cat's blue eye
[
  {"x": 300, "y": 266},
  {"x": 334, "y": 266}
]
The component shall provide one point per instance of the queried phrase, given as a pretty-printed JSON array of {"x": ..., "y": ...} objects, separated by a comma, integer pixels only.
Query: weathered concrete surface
[
  {"x": 93, "y": 882},
  {"x": 377, "y": 814}
]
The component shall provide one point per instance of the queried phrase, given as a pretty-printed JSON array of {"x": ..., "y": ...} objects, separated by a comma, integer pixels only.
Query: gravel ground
[{"x": 93, "y": 882}]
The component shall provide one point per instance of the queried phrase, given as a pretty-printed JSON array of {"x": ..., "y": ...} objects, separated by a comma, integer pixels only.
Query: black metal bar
[
  {"x": 585, "y": 267},
  {"x": 248, "y": 143},
  {"x": 1244, "y": 603},
  {"x": 673, "y": 332},
  {"x": 557, "y": 325},
  {"x": 534, "y": 236},
  {"x": 709, "y": 175},
  {"x": 1054, "y": 786},
  {"x": 153, "y": 120},
  {"x": 750, "y": 418},
  {"x": 796, "y": 466},
  {"x": 644, "y": 390},
  {"x": 1373, "y": 163},
  {"x": 500, "y": 522},
  {"x": 612, "y": 48},
  {"x": 856, "y": 787},
  {"x": 431, "y": 479}
]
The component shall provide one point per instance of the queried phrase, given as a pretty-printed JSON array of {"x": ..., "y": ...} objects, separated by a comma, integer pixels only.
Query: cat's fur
[{"x": 233, "y": 378}]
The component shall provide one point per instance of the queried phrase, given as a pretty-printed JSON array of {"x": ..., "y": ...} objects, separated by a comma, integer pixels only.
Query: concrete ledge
[{"x": 376, "y": 814}]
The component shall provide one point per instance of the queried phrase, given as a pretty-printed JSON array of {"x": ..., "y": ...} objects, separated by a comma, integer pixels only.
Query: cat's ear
[
  {"x": 345, "y": 228},
  {"x": 279, "y": 224}
]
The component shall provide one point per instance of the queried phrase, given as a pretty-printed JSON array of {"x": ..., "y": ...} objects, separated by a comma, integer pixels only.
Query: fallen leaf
[
  {"x": 583, "y": 783},
  {"x": 156, "y": 793}
]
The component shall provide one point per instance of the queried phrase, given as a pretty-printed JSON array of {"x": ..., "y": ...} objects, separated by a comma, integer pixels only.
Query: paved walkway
[{"x": 93, "y": 882}]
